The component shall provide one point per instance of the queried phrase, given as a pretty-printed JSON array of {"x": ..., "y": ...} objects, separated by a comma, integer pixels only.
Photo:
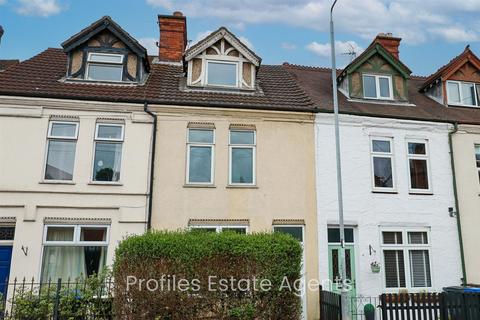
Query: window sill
[
  {"x": 419, "y": 193},
  {"x": 240, "y": 186},
  {"x": 385, "y": 191},
  {"x": 99, "y": 183},
  {"x": 199, "y": 186},
  {"x": 66, "y": 182}
]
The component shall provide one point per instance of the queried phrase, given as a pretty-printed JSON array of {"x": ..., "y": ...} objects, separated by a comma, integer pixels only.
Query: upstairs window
[
  {"x": 108, "y": 152},
  {"x": 463, "y": 93},
  {"x": 477, "y": 159},
  {"x": 104, "y": 67},
  {"x": 418, "y": 166},
  {"x": 61, "y": 145},
  {"x": 377, "y": 87},
  {"x": 382, "y": 164},
  {"x": 200, "y": 153},
  {"x": 242, "y": 157},
  {"x": 220, "y": 73}
]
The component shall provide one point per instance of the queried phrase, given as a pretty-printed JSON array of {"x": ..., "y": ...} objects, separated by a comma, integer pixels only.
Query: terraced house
[{"x": 233, "y": 149}]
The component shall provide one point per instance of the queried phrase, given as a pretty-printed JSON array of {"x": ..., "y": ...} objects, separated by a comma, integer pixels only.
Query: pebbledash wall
[
  {"x": 28, "y": 202},
  {"x": 369, "y": 213}
]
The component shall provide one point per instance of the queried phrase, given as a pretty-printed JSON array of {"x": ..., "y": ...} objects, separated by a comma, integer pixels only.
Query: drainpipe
[
  {"x": 457, "y": 209},
  {"x": 152, "y": 165}
]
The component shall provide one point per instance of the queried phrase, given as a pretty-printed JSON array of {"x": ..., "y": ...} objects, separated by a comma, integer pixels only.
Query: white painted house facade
[{"x": 407, "y": 231}]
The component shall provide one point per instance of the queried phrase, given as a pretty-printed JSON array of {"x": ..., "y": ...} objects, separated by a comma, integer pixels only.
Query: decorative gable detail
[
  {"x": 377, "y": 73},
  {"x": 105, "y": 52},
  {"x": 221, "y": 60}
]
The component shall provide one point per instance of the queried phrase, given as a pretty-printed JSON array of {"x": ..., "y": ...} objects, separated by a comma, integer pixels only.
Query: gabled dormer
[
  {"x": 377, "y": 74},
  {"x": 457, "y": 83},
  {"x": 104, "y": 52},
  {"x": 221, "y": 61}
]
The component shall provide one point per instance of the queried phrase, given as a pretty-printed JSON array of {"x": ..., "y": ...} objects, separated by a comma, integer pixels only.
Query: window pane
[
  {"x": 109, "y": 132},
  {"x": 420, "y": 268},
  {"x": 93, "y": 234},
  {"x": 383, "y": 176},
  {"x": 242, "y": 165},
  {"x": 72, "y": 262},
  {"x": 200, "y": 166},
  {"x": 296, "y": 232},
  {"x": 417, "y": 238},
  {"x": 384, "y": 87},
  {"x": 468, "y": 94},
  {"x": 381, "y": 146},
  {"x": 417, "y": 148},
  {"x": 418, "y": 174},
  {"x": 200, "y": 136},
  {"x": 369, "y": 87},
  {"x": 7, "y": 233},
  {"x": 60, "y": 233},
  {"x": 106, "y": 58},
  {"x": 394, "y": 269},
  {"x": 196, "y": 229},
  {"x": 222, "y": 74},
  {"x": 392, "y": 237},
  {"x": 107, "y": 161},
  {"x": 105, "y": 72},
  {"x": 242, "y": 137},
  {"x": 236, "y": 230},
  {"x": 334, "y": 235},
  {"x": 67, "y": 130},
  {"x": 60, "y": 160},
  {"x": 453, "y": 92}
]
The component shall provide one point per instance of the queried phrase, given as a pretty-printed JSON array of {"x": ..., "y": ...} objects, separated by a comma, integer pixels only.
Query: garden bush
[{"x": 187, "y": 261}]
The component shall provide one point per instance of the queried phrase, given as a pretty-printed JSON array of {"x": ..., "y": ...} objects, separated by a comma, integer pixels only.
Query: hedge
[{"x": 201, "y": 275}]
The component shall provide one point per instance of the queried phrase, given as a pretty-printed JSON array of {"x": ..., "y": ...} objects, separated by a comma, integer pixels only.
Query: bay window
[
  {"x": 108, "y": 152},
  {"x": 417, "y": 154},
  {"x": 377, "y": 87},
  {"x": 382, "y": 164},
  {"x": 61, "y": 144},
  {"x": 73, "y": 251},
  {"x": 200, "y": 155},
  {"x": 406, "y": 255},
  {"x": 219, "y": 229},
  {"x": 242, "y": 157},
  {"x": 463, "y": 93}
]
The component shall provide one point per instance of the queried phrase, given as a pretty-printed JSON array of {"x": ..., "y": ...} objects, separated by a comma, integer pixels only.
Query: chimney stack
[
  {"x": 389, "y": 42},
  {"x": 173, "y": 37}
]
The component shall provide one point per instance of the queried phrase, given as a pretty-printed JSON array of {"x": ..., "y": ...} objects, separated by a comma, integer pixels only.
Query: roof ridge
[{"x": 305, "y": 67}]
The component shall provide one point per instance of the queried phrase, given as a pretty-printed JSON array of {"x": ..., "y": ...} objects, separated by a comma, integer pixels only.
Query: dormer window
[
  {"x": 104, "y": 67},
  {"x": 221, "y": 73},
  {"x": 463, "y": 93},
  {"x": 377, "y": 87}
]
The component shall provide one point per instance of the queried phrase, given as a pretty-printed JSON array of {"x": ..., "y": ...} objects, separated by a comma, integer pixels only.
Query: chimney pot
[{"x": 173, "y": 37}]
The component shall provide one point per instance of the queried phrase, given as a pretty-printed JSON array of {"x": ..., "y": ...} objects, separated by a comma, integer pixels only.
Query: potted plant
[{"x": 375, "y": 266}]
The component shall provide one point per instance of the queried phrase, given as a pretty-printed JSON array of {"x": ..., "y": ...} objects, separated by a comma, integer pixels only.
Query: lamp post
[{"x": 342, "y": 265}]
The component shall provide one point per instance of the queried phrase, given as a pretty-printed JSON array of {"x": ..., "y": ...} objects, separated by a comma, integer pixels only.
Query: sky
[{"x": 294, "y": 31}]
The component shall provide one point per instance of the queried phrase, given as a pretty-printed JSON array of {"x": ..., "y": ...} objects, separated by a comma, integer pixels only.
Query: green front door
[{"x": 334, "y": 266}]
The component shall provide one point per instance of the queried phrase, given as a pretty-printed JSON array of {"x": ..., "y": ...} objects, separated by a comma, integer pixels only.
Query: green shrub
[{"x": 196, "y": 256}]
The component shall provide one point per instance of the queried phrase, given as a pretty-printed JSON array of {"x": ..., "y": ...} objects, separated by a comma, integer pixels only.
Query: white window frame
[
  {"x": 76, "y": 242},
  {"x": 237, "y": 72},
  {"x": 99, "y": 139},
  {"x": 242, "y": 146},
  {"x": 425, "y": 157},
  {"x": 377, "y": 86},
  {"x": 93, "y": 62},
  {"x": 475, "y": 146},
  {"x": 9, "y": 242},
  {"x": 59, "y": 138},
  {"x": 405, "y": 247},
  {"x": 219, "y": 228},
  {"x": 459, "y": 83},
  {"x": 203, "y": 145},
  {"x": 388, "y": 155}
]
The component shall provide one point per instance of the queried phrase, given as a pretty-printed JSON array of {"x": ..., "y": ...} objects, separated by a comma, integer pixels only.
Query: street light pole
[{"x": 342, "y": 265}]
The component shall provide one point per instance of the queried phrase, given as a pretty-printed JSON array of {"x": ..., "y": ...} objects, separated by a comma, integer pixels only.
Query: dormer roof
[
  {"x": 222, "y": 33},
  {"x": 445, "y": 72},
  {"x": 105, "y": 23},
  {"x": 376, "y": 48}
]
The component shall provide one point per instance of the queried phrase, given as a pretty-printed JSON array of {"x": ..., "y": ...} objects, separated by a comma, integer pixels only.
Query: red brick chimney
[
  {"x": 173, "y": 37},
  {"x": 389, "y": 42}
]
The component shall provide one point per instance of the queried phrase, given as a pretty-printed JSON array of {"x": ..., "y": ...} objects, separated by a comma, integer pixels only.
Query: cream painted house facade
[{"x": 94, "y": 214}]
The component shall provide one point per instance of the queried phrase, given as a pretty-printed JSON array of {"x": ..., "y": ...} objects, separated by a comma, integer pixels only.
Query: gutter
[
  {"x": 152, "y": 165},
  {"x": 457, "y": 209}
]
